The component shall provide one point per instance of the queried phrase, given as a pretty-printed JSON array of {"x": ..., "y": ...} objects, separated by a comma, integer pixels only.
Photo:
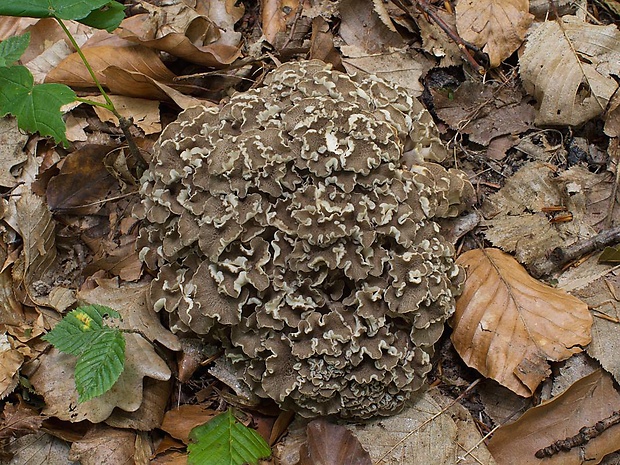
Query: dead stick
[
  {"x": 463, "y": 45},
  {"x": 560, "y": 256}
]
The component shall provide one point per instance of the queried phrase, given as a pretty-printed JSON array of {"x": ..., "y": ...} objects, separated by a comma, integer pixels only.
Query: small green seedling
[
  {"x": 225, "y": 441},
  {"x": 100, "y": 349},
  {"x": 37, "y": 106}
]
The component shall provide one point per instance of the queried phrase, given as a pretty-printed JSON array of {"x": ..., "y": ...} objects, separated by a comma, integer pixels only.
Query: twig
[
  {"x": 560, "y": 256},
  {"x": 585, "y": 434},
  {"x": 464, "y": 46}
]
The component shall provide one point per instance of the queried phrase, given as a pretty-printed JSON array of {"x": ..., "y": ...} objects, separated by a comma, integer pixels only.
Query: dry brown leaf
[
  {"x": 435, "y": 40},
  {"x": 135, "y": 58},
  {"x": 329, "y": 444},
  {"x": 507, "y": 325},
  {"x": 568, "y": 68},
  {"x": 601, "y": 294},
  {"x": 144, "y": 113},
  {"x": 496, "y": 26},
  {"x": 37, "y": 449},
  {"x": 515, "y": 218},
  {"x": 362, "y": 28},
  {"x": 104, "y": 445},
  {"x": 423, "y": 433},
  {"x": 83, "y": 182},
  {"x": 275, "y": 15},
  {"x": 400, "y": 67},
  {"x": 179, "y": 30},
  {"x": 55, "y": 382},
  {"x": 180, "y": 421},
  {"x": 12, "y": 141},
  {"x": 485, "y": 111},
  {"x": 10, "y": 363},
  {"x": 586, "y": 402},
  {"x": 130, "y": 301},
  {"x": 322, "y": 43},
  {"x": 38, "y": 231},
  {"x": 18, "y": 420}
]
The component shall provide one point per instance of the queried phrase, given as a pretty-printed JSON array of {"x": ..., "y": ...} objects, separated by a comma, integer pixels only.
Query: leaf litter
[{"x": 537, "y": 194}]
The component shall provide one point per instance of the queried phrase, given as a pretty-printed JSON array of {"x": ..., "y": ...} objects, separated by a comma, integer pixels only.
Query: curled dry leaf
[
  {"x": 507, "y": 325},
  {"x": 587, "y": 401},
  {"x": 329, "y": 444},
  {"x": 567, "y": 67},
  {"x": 497, "y": 26}
]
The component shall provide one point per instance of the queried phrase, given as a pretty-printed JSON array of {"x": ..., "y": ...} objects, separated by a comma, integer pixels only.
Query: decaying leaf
[
  {"x": 37, "y": 229},
  {"x": 10, "y": 363},
  {"x": 586, "y": 402},
  {"x": 104, "y": 445},
  {"x": 179, "y": 422},
  {"x": 275, "y": 15},
  {"x": 567, "y": 67},
  {"x": 72, "y": 72},
  {"x": 435, "y": 40},
  {"x": 515, "y": 217},
  {"x": 362, "y": 28},
  {"x": 496, "y": 26},
  {"x": 485, "y": 111},
  {"x": 423, "y": 433},
  {"x": 180, "y": 30},
  {"x": 507, "y": 325},
  {"x": 330, "y": 444},
  {"x": 130, "y": 301},
  {"x": 18, "y": 420},
  {"x": 83, "y": 182},
  {"x": 12, "y": 140},
  {"x": 54, "y": 381},
  {"x": 143, "y": 112}
]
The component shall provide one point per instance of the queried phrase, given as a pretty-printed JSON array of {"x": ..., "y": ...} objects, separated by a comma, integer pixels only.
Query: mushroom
[{"x": 296, "y": 226}]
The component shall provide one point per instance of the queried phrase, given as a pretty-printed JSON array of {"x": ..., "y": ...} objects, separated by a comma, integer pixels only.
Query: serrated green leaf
[
  {"x": 225, "y": 441},
  {"x": 78, "y": 328},
  {"x": 13, "y": 48},
  {"x": 63, "y": 9},
  {"x": 108, "y": 18},
  {"x": 36, "y": 107},
  {"x": 100, "y": 365}
]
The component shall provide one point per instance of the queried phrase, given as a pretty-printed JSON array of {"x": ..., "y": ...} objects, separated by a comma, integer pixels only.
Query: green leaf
[
  {"x": 610, "y": 255},
  {"x": 100, "y": 365},
  {"x": 108, "y": 18},
  {"x": 79, "y": 328},
  {"x": 62, "y": 9},
  {"x": 36, "y": 107},
  {"x": 225, "y": 441},
  {"x": 13, "y": 48}
]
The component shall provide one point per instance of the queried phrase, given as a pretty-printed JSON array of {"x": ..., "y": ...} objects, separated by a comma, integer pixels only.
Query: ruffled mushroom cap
[{"x": 296, "y": 226}]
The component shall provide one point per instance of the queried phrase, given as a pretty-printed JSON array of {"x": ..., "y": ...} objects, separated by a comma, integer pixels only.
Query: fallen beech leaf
[
  {"x": 275, "y": 14},
  {"x": 10, "y": 363},
  {"x": 329, "y": 444},
  {"x": 568, "y": 70},
  {"x": 362, "y": 28},
  {"x": 83, "y": 182},
  {"x": 507, "y": 324},
  {"x": 18, "y": 420},
  {"x": 54, "y": 381},
  {"x": 497, "y": 26},
  {"x": 12, "y": 141},
  {"x": 136, "y": 58},
  {"x": 583, "y": 404},
  {"x": 179, "y": 422},
  {"x": 103, "y": 445}
]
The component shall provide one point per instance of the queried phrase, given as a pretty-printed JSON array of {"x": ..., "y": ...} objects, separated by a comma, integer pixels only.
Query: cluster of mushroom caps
[{"x": 295, "y": 226}]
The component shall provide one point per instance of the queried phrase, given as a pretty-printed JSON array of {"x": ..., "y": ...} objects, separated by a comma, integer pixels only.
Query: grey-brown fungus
[{"x": 295, "y": 225}]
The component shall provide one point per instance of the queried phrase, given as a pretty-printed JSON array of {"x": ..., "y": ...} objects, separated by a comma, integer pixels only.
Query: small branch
[
  {"x": 464, "y": 46},
  {"x": 585, "y": 434},
  {"x": 561, "y": 256}
]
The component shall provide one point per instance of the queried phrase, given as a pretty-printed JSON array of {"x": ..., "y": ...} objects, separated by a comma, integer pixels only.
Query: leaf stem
[{"x": 109, "y": 102}]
